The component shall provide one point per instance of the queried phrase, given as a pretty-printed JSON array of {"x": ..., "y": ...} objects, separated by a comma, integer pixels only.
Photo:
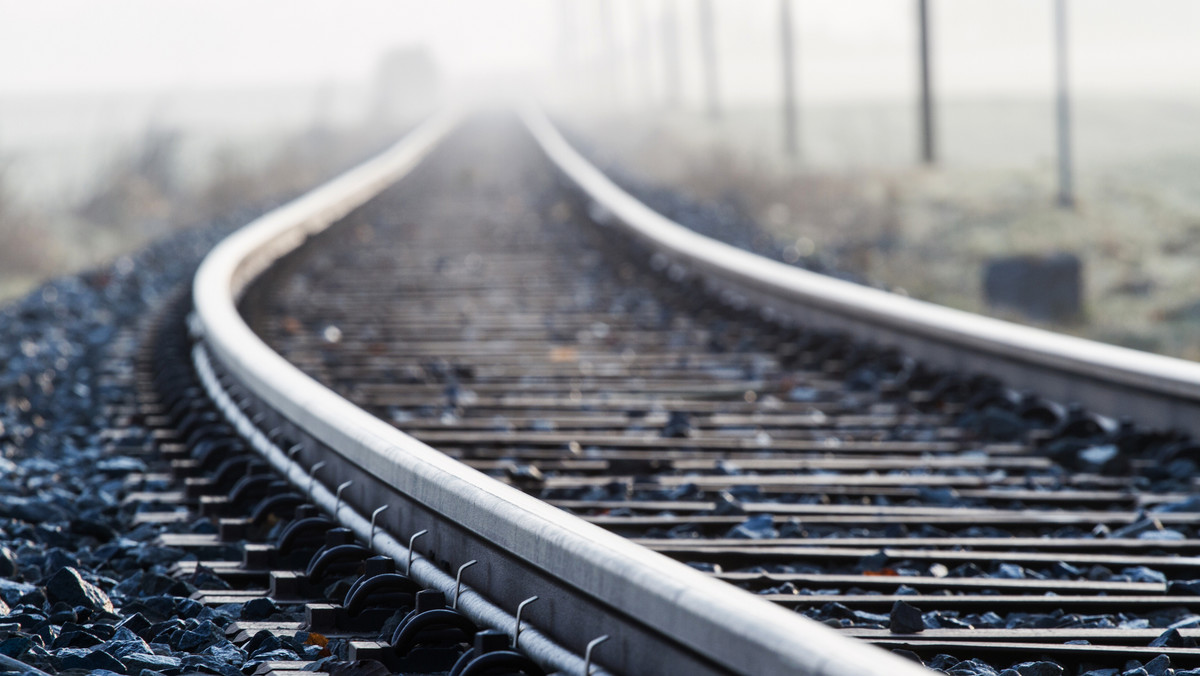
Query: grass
[
  {"x": 139, "y": 195},
  {"x": 929, "y": 231}
]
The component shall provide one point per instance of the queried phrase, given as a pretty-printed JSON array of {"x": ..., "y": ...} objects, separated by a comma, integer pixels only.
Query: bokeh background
[{"x": 122, "y": 120}]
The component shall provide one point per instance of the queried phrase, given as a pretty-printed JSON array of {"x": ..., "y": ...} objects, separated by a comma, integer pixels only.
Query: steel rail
[
  {"x": 1113, "y": 381},
  {"x": 664, "y": 617}
]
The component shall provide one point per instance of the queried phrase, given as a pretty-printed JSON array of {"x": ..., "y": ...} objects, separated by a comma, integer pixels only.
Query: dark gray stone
[
  {"x": 277, "y": 655},
  {"x": 905, "y": 619},
  {"x": 1042, "y": 668},
  {"x": 76, "y": 638},
  {"x": 1184, "y": 587},
  {"x": 204, "y": 635},
  {"x": 1144, "y": 574},
  {"x": 1010, "y": 571},
  {"x": 998, "y": 424},
  {"x": 153, "y": 584},
  {"x": 262, "y": 641},
  {"x": 803, "y": 394},
  {"x": 10, "y": 588},
  {"x": 92, "y": 528},
  {"x": 678, "y": 425},
  {"x": 972, "y": 667},
  {"x": 1187, "y": 622},
  {"x": 757, "y": 527},
  {"x": 124, "y": 642},
  {"x": 258, "y": 609},
  {"x": 148, "y": 555},
  {"x": 1136, "y": 528},
  {"x": 30, "y": 509},
  {"x": 66, "y": 585},
  {"x": 1046, "y": 288},
  {"x": 92, "y": 660},
  {"x": 1191, "y": 504},
  {"x": 120, "y": 465},
  {"x": 205, "y": 578},
  {"x": 8, "y": 562},
  {"x": 62, "y": 613},
  {"x": 1171, "y": 638},
  {"x": 727, "y": 505},
  {"x": 865, "y": 617},
  {"x": 873, "y": 562},
  {"x": 15, "y": 646},
  {"x": 1104, "y": 459},
  {"x": 939, "y": 495},
  {"x": 208, "y": 664},
  {"x": 139, "y": 661},
  {"x": 1159, "y": 666},
  {"x": 1162, "y": 534}
]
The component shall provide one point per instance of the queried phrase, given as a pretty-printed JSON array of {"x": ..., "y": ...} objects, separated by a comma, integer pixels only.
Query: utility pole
[
  {"x": 791, "y": 134},
  {"x": 928, "y": 147},
  {"x": 708, "y": 58},
  {"x": 1066, "y": 193}
]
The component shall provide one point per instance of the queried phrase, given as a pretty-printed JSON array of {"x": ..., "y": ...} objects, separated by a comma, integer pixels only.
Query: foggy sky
[{"x": 860, "y": 48}]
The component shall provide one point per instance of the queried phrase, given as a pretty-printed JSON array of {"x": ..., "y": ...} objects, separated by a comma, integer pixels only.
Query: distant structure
[
  {"x": 1044, "y": 288},
  {"x": 406, "y": 83}
]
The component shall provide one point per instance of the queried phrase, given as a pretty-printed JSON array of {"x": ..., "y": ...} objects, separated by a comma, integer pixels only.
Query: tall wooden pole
[
  {"x": 1066, "y": 191},
  {"x": 708, "y": 59},
  {"x": 928, "y": 146},
  {"x": 791, "y": 134}
]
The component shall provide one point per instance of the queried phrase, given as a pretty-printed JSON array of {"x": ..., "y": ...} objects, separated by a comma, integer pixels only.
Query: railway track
[{"x": 629, "y": 422}]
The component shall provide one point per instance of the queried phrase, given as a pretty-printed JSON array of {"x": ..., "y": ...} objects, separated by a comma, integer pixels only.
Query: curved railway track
[{"x": 628, "y": 421}]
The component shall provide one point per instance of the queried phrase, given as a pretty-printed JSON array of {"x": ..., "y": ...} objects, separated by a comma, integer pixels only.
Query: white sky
[
  {"x": 68, "y": 45},
  {"x": 847, "y": 48}
]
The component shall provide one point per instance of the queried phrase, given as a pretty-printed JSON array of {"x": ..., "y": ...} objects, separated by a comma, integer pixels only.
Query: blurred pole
[
  {"x": 1066, "y": 194},
  {"x": 670, "y": 43},
  {"x": 928, "y": 154},
  {"x": 791, "y": 133},
  {"x": 708, "y": 58}
]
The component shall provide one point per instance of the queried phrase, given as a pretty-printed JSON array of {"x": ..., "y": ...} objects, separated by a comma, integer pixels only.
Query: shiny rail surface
[
  {"x": 662, "y": 616},
  {"x": 1114, "y": 381},
  {"x": 518, "y": 330}
]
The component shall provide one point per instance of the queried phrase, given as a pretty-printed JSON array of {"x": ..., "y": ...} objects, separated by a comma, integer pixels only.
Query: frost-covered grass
[
  {"x": 140, "y": 195},
  {"x": 929, "y": 231}
]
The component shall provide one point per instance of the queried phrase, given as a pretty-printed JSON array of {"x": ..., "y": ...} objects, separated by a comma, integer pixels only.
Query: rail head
[
  {"x": 729, "y": 630},
  {"x": 1113, "y": 380}
]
